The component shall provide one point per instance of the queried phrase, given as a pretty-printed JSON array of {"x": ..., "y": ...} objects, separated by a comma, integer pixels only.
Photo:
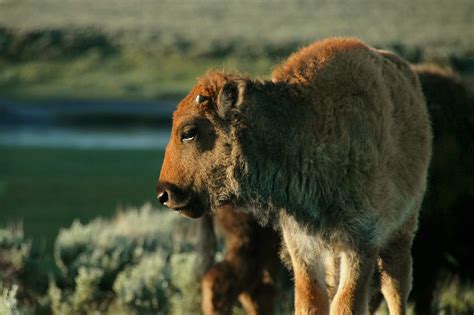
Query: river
[{"x": 86, "y": 124}]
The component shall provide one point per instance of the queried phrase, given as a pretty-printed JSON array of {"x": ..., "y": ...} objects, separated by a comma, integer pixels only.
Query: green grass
[
  {"x": 128, "y": 75},
  {"x": 47, "y": 189}
]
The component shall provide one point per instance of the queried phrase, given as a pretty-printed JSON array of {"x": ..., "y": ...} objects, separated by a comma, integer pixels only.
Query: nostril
[{"x": 163, "y": 197}]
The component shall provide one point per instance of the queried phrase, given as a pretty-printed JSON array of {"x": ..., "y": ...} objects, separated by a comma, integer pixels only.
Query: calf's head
[{"x": 196, "y": 171}]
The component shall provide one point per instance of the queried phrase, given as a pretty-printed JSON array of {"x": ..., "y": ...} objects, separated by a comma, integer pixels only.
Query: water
[
  {"x": 84, "y": 138},
  {"x": 86, "y": 124}
]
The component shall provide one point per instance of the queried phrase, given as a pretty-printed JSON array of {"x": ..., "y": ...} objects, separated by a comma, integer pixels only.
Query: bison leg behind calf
[
  {"x": 249, "y": 270},
  {"x": 334, "y": 150}
]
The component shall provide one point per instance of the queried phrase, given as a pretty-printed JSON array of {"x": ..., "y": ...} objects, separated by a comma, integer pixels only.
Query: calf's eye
[{"x": 189, "y": 134}]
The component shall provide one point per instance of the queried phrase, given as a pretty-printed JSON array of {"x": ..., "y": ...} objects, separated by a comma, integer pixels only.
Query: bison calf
[{"x": 334, "y": 150}]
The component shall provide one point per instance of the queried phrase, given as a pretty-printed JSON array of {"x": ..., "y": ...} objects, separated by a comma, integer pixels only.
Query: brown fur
[
  {"x": 447, "y": 101},
  {"x": 249, "y": 270},
  {"x": 334, "y": 150}
]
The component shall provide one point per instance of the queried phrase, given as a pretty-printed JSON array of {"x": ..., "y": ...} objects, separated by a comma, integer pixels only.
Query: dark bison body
[{"x": 443, "y": 245}]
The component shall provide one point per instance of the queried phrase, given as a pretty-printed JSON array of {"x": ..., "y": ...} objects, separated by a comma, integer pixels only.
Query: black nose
[
  {"x": 163, "y": 197},
  {"x": 171, "y": 196}
]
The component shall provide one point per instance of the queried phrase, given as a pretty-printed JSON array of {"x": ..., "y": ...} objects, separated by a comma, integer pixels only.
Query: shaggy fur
[
  {"x": 442, "y": 222},
  {"x": 334, "y": 150}
]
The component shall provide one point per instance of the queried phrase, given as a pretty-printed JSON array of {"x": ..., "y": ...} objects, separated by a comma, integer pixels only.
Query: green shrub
[
  {"x": 129, "y": 263},
  {"x": 84, "y": 298},
  {"x": 14, "y": 252},
  {"x": 145, "y": 286},
  {"x": 111, "y": 246},
  {"x": 187, "y": 296},
  {"x": 8, "y": 302},
  {"x": 20, "y": 271}
]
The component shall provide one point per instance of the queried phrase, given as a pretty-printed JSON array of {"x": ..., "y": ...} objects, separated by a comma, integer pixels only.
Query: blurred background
[{"x": 87, "y": 89}]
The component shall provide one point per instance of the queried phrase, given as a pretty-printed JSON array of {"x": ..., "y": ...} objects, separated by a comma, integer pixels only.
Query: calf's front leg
[{"x": 311, "y": 295}]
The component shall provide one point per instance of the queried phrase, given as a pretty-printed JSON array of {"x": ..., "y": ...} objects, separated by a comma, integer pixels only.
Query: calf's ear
[{"x": 230, "y": 97}]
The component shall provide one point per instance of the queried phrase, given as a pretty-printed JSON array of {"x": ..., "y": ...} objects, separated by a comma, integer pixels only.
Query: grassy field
[
  {"x": 47, "y": 189},
  {"x": 128, "y": 75},
  {"x": 150, "y": 50}
]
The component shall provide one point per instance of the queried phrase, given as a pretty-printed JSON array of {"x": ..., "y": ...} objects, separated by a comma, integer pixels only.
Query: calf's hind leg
[
  {"x": 356, "y": 270},
  {"x": 395, "y": 268}
]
